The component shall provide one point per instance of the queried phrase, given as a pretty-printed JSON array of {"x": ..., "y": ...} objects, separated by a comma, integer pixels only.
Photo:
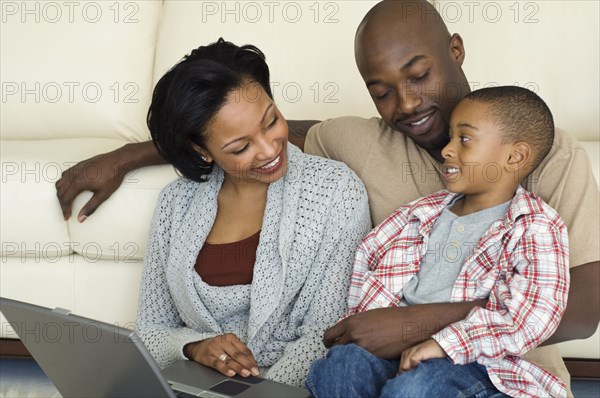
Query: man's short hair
[{"x": 521, "y": 115}]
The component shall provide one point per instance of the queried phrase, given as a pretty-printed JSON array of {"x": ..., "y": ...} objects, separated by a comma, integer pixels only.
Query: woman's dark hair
[{"x": 188, "y": 96}]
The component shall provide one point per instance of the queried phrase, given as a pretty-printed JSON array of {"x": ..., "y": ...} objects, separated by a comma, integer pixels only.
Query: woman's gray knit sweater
[{"x": 314, "y": 219}]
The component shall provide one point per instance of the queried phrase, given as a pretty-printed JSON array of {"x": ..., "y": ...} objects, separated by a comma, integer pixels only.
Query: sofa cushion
[
  {"x": 118, "y": 230},
  {"x": 309, "y": 47},
  {"x": 32, "y": 223},
  {"x": 516, "y": 43},
  {"x": 84, "y": 69}
]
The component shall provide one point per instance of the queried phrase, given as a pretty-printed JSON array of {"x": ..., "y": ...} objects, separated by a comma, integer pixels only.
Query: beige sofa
[{"x": 77, "y": 80}]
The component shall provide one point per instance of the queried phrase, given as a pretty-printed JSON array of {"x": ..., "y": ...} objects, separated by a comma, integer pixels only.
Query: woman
[{"x": 250, "y": 252}]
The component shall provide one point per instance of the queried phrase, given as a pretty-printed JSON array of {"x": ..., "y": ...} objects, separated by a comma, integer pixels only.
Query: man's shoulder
[
  {"x": 565, "y": 146},
  {"x": 342, "y": 134},
  {"x": 566, "y": 155},
  {"x": 348, "y": 125}
]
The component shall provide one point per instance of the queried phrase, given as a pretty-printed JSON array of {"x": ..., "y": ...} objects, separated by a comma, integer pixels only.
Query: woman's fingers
[{"x": 230, "y": 356}]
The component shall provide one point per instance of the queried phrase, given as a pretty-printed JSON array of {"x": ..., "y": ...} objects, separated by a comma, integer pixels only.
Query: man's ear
[
  {"x": 520, "y": 157},
  {"x": 457, "y": 49}
]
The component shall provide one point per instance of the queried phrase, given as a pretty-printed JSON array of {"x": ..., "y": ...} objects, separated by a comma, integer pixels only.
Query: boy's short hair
[{"x": 521, "y": 115}]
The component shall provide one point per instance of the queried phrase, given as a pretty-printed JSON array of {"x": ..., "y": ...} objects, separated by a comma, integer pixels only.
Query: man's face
[{"x": 415, "y": 80}]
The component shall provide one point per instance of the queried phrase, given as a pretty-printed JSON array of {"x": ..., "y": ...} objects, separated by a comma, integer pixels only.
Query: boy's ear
[{"x": 520, "y": 157}]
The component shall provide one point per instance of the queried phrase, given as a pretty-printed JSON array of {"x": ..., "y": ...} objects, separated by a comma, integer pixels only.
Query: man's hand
[
  {"x": 411, "y": 358},
  {"x": 102, "y": 175},
  {"x": 387, "y": 332},
  {"x": 225, "y": 353}
]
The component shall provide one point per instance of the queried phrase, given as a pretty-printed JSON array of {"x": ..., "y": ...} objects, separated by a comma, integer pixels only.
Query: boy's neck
[{"x": 472, "y": 203}]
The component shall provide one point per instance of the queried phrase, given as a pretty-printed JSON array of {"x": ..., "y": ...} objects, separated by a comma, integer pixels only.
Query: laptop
[{"x": 88, "y": 358}]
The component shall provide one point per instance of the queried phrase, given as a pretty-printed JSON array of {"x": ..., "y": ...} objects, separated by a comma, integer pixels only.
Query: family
[{"x": 262, "y": 258}]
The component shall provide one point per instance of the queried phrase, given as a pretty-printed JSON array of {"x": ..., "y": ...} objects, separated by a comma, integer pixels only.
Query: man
[{"x": 407, "y": 60}]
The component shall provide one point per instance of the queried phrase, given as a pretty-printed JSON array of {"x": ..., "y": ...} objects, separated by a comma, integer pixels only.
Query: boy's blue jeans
[{"x": 351, "y": 371}]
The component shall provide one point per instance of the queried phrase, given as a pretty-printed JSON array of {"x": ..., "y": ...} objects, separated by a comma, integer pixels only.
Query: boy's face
[{"x": 475, "y": 159}]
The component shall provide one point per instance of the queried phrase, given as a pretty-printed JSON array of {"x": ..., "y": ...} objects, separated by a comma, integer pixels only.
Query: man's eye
[
  {"x": 422, "y": 77},
  {"x": 381, "y": 96}
]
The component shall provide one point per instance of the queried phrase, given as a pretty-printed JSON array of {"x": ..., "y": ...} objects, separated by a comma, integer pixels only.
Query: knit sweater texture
[{"x": 315, "y": 217}]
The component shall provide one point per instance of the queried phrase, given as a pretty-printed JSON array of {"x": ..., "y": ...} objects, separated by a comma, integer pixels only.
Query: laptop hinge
[{"x": 61, "y": 311}]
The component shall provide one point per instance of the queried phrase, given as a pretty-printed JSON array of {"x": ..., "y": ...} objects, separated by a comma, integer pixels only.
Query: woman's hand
[{"x": 225, "y": 353}]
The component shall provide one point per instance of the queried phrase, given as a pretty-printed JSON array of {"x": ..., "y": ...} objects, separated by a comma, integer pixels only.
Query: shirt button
[{"x": 460, "y": 228}]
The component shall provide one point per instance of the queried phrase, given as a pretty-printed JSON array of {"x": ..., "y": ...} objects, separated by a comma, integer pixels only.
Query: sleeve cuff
[{"x": 455, "y": 341}]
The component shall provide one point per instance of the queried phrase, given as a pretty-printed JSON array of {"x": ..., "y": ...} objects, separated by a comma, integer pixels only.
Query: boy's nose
[{"x": 447, "y": 151}]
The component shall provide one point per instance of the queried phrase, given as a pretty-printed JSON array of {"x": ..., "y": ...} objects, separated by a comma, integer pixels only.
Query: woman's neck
[{"x": 244, "y": 188}]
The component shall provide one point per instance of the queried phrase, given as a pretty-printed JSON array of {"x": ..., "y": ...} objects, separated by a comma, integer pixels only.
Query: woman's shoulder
[
  {"x": 318, "y": 170},
  {"x": 181, "y": 192},
  {"x": 178, "y": 186}
]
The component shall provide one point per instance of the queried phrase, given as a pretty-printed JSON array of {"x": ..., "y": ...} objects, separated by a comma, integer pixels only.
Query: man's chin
[{"x": 431, "y": 144}]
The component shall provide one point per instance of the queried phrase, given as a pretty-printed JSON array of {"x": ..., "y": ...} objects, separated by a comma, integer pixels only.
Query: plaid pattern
[{"x": 520, "y": 264}]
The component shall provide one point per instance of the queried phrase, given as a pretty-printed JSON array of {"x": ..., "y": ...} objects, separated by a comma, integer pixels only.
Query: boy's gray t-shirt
[{"x": 451, "y": 241}]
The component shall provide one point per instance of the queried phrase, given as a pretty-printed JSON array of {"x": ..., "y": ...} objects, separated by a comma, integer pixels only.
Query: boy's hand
[{"x": 412, "y": 357}]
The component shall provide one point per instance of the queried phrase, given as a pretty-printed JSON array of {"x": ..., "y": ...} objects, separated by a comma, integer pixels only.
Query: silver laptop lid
[{"x": 84, "y": 357}]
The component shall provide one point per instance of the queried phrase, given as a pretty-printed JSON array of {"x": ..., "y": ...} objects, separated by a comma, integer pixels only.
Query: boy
[{"x": 485, "y": 237}]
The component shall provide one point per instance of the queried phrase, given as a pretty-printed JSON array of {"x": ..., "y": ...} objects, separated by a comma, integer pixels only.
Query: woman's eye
[
  {"x": 274, "y": 122},
  {"x": 241, "y": 150}
]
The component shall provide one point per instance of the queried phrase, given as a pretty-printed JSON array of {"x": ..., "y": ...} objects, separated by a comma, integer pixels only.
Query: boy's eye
[{"x": 464, "y": 138}]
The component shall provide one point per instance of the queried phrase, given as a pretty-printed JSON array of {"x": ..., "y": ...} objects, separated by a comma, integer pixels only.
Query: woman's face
[{"x": 247, "y": 138}]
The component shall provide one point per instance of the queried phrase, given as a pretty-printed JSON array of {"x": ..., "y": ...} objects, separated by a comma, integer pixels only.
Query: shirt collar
[{"x": 429, "y": 209}]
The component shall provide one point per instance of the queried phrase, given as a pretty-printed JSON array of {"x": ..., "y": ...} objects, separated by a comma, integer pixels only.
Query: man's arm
[
  {"x": 112, "y": 168},
  {"x": 386, "y": 332},
  {"x": 582, "y": 315}
]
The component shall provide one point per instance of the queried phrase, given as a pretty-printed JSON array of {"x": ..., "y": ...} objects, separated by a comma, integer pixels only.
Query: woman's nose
[{"x": 267, "y": 148}]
